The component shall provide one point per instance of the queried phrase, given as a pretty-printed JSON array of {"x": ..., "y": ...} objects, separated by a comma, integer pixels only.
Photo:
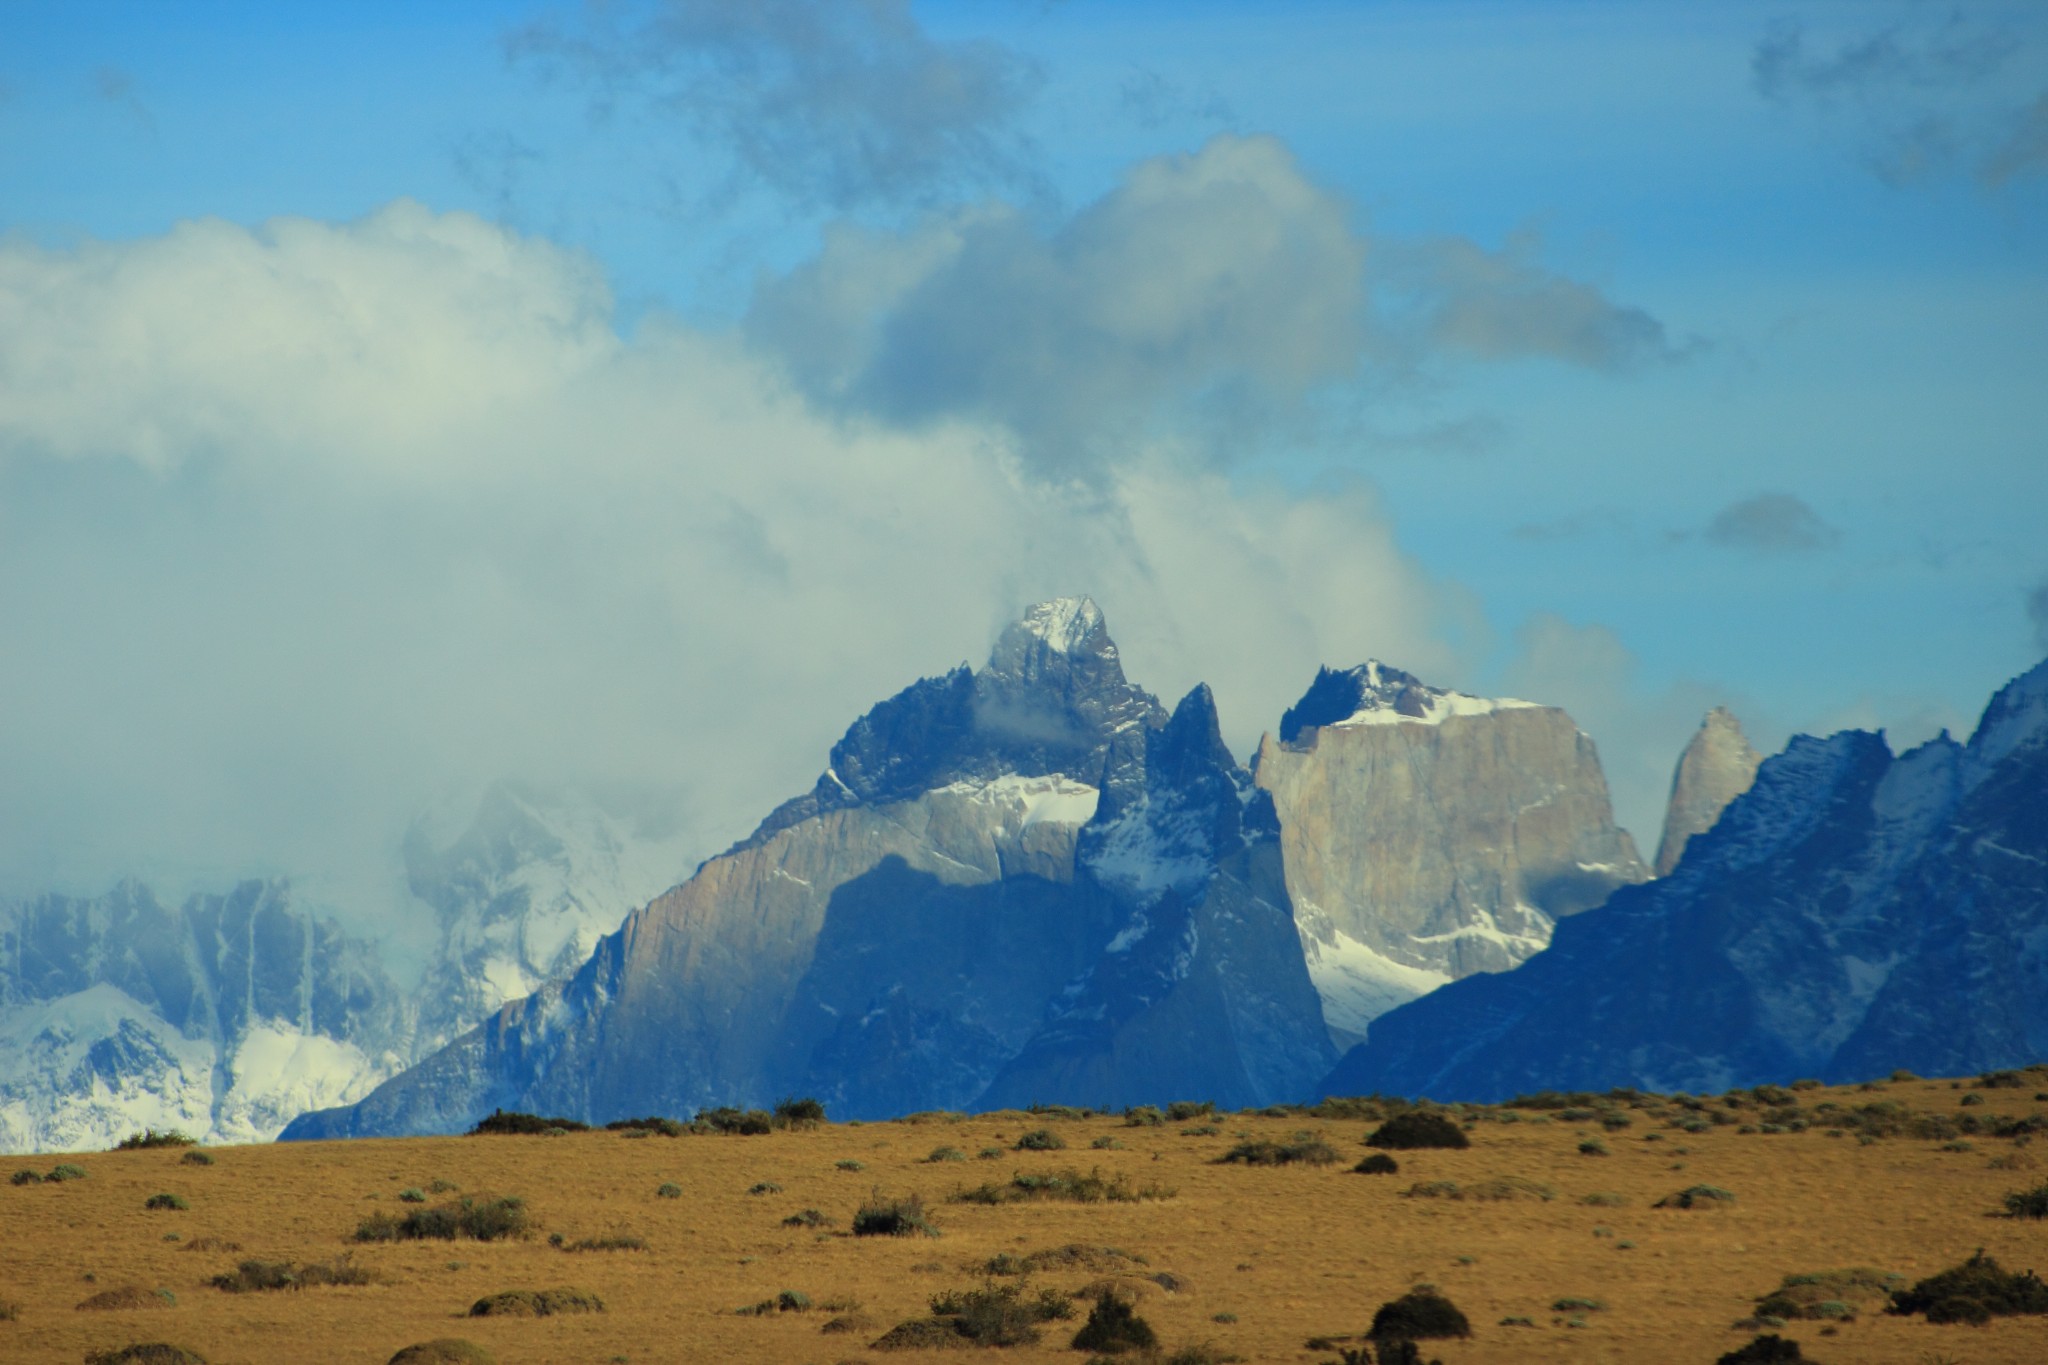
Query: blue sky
[{"x": 395, "y": 397}]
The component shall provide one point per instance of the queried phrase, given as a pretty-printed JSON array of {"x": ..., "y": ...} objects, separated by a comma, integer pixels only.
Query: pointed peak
[
  {"x": 1064, "y": 623},
  {"x": 1375, "y": 693}
]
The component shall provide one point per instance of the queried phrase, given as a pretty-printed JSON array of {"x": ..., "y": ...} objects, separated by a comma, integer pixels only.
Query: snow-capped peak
[
  {"x": 1378, "y": 694},
  {"x": 1064, "y": 623}
]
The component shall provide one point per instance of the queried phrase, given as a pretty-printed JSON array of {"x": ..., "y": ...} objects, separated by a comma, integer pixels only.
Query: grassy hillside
[{"x": 1546, "y": 1232}]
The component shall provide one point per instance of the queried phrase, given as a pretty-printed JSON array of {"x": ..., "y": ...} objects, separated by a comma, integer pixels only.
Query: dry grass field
[{"x": 1252, "y": 1260}]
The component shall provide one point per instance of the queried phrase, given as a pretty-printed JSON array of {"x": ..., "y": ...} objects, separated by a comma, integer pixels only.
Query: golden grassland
[{"x": 1254, "y": 1260}]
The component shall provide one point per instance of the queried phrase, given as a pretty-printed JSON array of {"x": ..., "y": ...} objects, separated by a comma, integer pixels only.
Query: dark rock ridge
[
  {"x": 1717, "y": 766},
  {"x": 1022, "y": 883},
  {"x": 1428, "y": 834},
  {"x": 1851, "y": 913}
]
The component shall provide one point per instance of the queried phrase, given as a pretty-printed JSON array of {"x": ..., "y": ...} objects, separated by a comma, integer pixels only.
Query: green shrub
[
  {"x": 166, "y": 1201},
  {"x": 1764, "y": 1350},
  {"x": 196, "y": 1158},
  {"x": 535, "y": 1303},
  {"x": 128, "y": 1297},
  {"x": 444, "y": 1351},
  {"x": 2028, "y": 1203},
  {"x": 1310, "y": 1151},
  {"x": 1106, "y": 1143},
  {"x": 806, "y": 1218},
  {"x": 1419, "y": 1315},
  {"x": 1418, "y": 1129},
  {"x": 609, "y": 1241},
  {"x": 1593, "y": 1147},
  {"x": 1068, "y": 1185},
  {"x": 145, "y": 1353},
  {"x": 642, "y": 1127},
  {"x": 798, "y": 1113},
  {"x": 26, "y": 1177},
  {"x": 946, "y": 1154},
  {"x": 1577, "y": 1306},
  {"x": 1379, "y": 1163},
  {"x": 1975, "y": 1291},
  {"x": 150, "y": 1137},
  {"x": 669, "y": 1190},
  {"x": 1826, "y": 1294},
  {"x": 258, "y": 1276},
  {"x": 1143, "y": 1116},
  {"x": 1604, "y": 1199},
  {"x": 903, "y": 1217},
  {"x": 412, "y": 1194},
  {"x": 1041, "y": 1140},
  {"x": 764, "y": 1187},
  {"x": 66, "y": 1171},
  {"x": 510, "y": 1123},
  {"x": 740, "y": 1122},
  {"x": 1695, "y": 1197},
  {"x": 484, "y": 1218},
  {"x": 1180, "y": 1111},
  {"x": 849, "y": 1164},
  {"x": 1114, "y": 1327}
]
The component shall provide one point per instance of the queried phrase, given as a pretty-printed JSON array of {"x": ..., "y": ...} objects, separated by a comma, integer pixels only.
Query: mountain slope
[
  {"x": 953, "y": 911},
  {"x": 1851, "y": 913},
  {"x": 1429, "y": 834}
]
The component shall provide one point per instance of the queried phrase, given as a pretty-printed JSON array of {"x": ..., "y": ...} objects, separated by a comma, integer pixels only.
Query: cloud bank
[
  {"x": 302, "y": 527},
  {"x": 1771, "y": 523}
]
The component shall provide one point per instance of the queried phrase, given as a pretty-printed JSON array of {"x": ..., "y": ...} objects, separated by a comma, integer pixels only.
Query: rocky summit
[
  {"x": 1428, "y": 835},
  {"x": 1853, "y": 912},
  {"x": 1717, "y": 766},
  {"x": 1023, "y": 883}
]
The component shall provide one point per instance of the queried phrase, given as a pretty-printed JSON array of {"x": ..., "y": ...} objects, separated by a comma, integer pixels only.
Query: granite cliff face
[
  {"x": 1027, "y": 880},
  {"x": 225, "y": 1017},
  {"x": 1717, "y": 766},
  {"x": 1852, "y": 912},
  {"x": 1428, "y": 835}
]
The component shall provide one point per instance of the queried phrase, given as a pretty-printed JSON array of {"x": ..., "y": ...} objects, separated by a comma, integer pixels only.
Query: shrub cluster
[
  {"x": 1826, "y": 1294},
  {"x": 1421, "y": 1314},
  {"x": 258, "y": 1276},
  {"x": 483, "y": 1217},
  {"x": 535, "y": 1303},
  {"x": 1302, "y": 1149},
  {"x": 653, "y": 1123},
  {"x": 150, "y": 1137},
  {"x": 903, "y": 1217},
  {"x": 1695, "y": 1197},
  {"x": 1976, "y": 1291},
  {"x": 2028, "y": 1203},
  {"x": 510, "y": 1123},
  {"x": 1041, "y": 1140},
  {"x": 1418, "y": 1129},
  {"x": 1069, "y": 1185},
  {"x": 1114, "y": 1327},
  {"x": 993, "y": 1315}
]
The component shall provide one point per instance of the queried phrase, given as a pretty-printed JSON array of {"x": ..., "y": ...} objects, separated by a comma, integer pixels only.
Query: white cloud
[{"x": 303, "y": 526}]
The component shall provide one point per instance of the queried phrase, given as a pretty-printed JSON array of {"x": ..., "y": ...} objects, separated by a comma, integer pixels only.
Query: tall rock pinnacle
[{"x": 1716, "y": 767}]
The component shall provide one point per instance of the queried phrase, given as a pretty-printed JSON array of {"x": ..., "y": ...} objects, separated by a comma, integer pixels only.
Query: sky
[{"x": 624, "y": 396}]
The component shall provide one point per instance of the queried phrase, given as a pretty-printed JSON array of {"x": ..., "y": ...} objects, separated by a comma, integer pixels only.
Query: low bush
[
  {"x": 26, "y": 1177},
  {"x": 197, "y": 1158},
  {"x": 651, "y": 1124},
  {"x": 128, "y": 1298},
  {"x": 806, "y": 1218},
  {"x": 65, "y": 1171},
  {"x": 145, "y": 1353},
  {"x": 608, "y": 1241},
  {"x": 994, "y": 1315},
  {"x": 669, "y": 1190},
  {"x": 444, "y": 1351},
  {"x": 1573, "y": 1305},
  {"x": 510, "y": 1123},
  {"x": 1418, "y": 1129},
  {"x": 849, "y": 1164},
  {"x": 1827, "y": 1294},
  {"x": 1695, "y": 1197},
  {"x": 1106, "y": 1143},
  {"x": 1041, "y": 1140},
  {"x": 481, "y": 1217},
  {"x": 764, "y": 1187},
  {"x": 166, "y": 1201},
  {"x": 412, "y": 1194},
  {"x": 1593, "y": 1147},
  {"x": 904, "y": 1217},
  {"x": 1976, "y": 1291},
  {"x": 1763, "y": 1350},
  {"x": 798, "y": 1113},
  {"x": 1421, "y": 1314},
  {"x": 2028, "y": 1203},
  {"x": 946, "y": 1154},
  {"x": 262, "y": 1276},
  {"x": 1114, "y": 1328},
  {"x": 1180, "y": 1111},
  {"x": 535, "y": 1303},
  {"x": 1309, "y": 1151},
  {"x": 735, "y": 1122},
  {"x": 1379, "y": 1163},
  {"x": 1143, "y": 1116},
  {"x": 1068, "y": 1185},
  {"x": 150, "y": 1137}
]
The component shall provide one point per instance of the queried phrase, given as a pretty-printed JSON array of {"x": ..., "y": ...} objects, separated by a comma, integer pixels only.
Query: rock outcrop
[
  {"x": 1851, "y": 913},
  {"x": 1428, "y": 835},
  {"x": 1717, "y": 766},
  {"x": 1022, "y": 881}
]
